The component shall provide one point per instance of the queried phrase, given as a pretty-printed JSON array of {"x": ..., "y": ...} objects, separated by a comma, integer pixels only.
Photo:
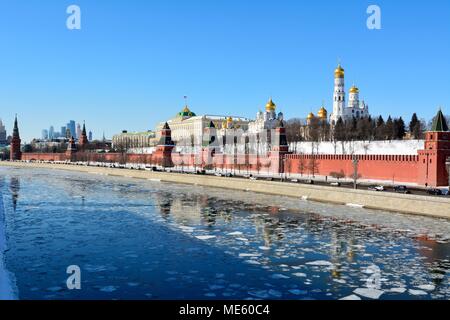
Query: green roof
[
  {"x": 439, "y": 123},
  {"x": 186, "y": 113}
]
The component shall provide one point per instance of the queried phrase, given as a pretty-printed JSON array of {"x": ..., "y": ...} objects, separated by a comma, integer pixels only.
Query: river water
[{"x": 140, "y": 239}]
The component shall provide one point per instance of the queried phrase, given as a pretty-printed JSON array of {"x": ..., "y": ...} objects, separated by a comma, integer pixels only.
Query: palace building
[{"x": 187, "y": 126}]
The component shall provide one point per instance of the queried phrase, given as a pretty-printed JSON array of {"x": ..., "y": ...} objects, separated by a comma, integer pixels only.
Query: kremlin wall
[{"x": 427, "y": 168}]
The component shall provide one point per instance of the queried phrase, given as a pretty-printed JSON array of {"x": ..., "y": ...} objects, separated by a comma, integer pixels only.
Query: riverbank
[{"x": 409, "y": 204}]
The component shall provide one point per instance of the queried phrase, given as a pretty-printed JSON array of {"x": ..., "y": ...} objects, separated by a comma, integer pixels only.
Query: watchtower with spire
[
  {"x": 163, "y": 153},
  {"x": 83, "y": 139},
  {"x": 15, "y": 152},
  {"x": 432, "y": 169}
]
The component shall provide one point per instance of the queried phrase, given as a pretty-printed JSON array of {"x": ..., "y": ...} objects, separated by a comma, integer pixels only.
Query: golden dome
[
  {"x": 354, "y": 89},
  {"x": 230, "y": 119},
  {"x": 323, "y": 113},
  {"x": 270, "y": 106},
  {"x": 339, "y": 72},
  {"x": 310, "y": 116}
]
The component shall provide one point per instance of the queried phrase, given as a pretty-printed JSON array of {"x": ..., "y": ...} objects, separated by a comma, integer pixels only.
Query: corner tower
[{"x": 432, "y": 169}]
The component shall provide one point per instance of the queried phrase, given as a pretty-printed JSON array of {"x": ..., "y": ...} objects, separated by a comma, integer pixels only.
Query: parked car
[
  {"x": 335, "y": 184},
  {"x": 446, "y": 192},
  {"x": 435, "y": 192},
  {"x": 309, "y": 181},
  {"x": 218, "y": 174},
  {"x": 402, "y": 189},
  {"x": 294, "y": 180},
  {"x": 377, "y": 188}
]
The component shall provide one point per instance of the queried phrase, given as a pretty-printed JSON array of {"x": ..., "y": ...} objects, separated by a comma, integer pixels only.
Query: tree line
[{"x": 366, "y": 129}]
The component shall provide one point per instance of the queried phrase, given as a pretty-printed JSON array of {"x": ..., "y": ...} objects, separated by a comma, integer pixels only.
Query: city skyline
[{"x": 118, "y": 72}]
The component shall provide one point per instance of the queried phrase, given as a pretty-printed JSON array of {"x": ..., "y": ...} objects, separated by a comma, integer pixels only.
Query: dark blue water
[{"x": 137, "y": 239}]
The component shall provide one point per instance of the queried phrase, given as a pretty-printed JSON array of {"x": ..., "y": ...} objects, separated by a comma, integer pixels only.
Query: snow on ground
[
  {"x": 405, "y": 147},
  {"x": 6, "y": 291}
]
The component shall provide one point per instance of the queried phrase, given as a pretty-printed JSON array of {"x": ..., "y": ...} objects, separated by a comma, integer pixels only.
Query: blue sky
[{"x": 133, "y": 61}]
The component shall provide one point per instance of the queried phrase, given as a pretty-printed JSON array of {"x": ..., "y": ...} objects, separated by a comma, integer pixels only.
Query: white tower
[{"x": 339, "y": 95}]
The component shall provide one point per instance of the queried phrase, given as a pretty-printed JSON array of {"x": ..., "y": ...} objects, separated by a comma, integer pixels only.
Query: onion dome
[
  {"x": 339, "y": 72},
  {"x": 270, "y": 106},
  {"x": 186, "y": 113},
  {"x": 310, "y": 116},
  {"x": 323, "y": 113},
  {"x": 354, "y": 89}
]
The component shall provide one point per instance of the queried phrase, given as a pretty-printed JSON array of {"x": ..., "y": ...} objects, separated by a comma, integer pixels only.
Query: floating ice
[
  {"x": 351, "y": 298},
  {"x": 369, "y": 293},
  {"x": 108, "y": 289},
  {"x": 397, "y": 290},
  {"x": 237, "y": 233},
  {"x": 427, "y": 287},
  {"x": 298, "y": 292},
  {"x": 320, "y": 263},
  {"x": 249, "y": 255},
  {"x": 264, "y": 248},
  {"x": 279, "y": 276},
  {"x": 417, "y": 292},
  {"x": 205, "y": 237},
  {"x": 299, "y": 274}
]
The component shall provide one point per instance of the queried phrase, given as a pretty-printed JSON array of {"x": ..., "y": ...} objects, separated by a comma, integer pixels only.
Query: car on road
[
  {"x": 435, "y": 192},
  {"x": 402, "y": 189},
  {"x": 377, "y": 188},
  {"x": 335, "y": 184}
]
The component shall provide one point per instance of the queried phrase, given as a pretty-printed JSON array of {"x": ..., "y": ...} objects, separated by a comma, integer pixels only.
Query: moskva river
[{"x": 139, "y": 239}]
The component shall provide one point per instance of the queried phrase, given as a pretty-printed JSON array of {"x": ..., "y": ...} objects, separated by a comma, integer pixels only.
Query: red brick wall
[{"x": 378, "y": 167}]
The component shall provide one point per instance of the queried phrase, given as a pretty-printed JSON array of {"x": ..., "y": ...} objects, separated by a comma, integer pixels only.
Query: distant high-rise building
[
  {"x": 63, "y": 131},
  {"x": 3, "y": 137},
  {"x": 90, "y": 135},
  {"x": 78, "y": 131},
  {"x": 44, "y": 134},
  {"x": 51, "y": 133},
  {"x": 71, "y": 127}
]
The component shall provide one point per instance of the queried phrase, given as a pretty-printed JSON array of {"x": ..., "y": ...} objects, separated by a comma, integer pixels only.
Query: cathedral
[{"x": 267, "y": 120}]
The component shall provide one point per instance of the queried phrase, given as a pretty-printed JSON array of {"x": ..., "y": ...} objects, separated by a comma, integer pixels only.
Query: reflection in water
[
  {"x": 14, "y": 186},
  {"x": 147, "y": 240}
]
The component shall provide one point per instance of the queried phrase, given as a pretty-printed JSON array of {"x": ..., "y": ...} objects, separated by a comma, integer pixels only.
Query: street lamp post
[{"x": 355, "y": 172}]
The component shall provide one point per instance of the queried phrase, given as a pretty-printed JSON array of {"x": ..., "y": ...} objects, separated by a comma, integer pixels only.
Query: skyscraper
[
  {"x": 3, "y": 138},
  {"x": 51, "y": 133},
  {"x": 63, "y": 131},
  {"x": 44, "y": 134},
  {"x": 78, "y": 131},
  {"x": 71, "y": 127}
]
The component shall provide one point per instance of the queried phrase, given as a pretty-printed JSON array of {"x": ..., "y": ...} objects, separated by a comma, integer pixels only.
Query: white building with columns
[{"x": 354, "y": 108}]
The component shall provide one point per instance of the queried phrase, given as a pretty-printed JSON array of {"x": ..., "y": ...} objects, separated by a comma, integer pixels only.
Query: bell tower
[
  {"x": 432, "y": 161},
  {"x": 339, "y": 95}
]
